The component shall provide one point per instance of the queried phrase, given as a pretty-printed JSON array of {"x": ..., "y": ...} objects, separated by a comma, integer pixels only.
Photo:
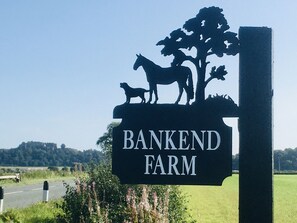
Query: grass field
[{"x": 210, "y": 204}]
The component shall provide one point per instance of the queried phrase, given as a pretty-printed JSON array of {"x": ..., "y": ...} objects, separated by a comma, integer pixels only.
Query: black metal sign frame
[{"x": 190, "y": 144}]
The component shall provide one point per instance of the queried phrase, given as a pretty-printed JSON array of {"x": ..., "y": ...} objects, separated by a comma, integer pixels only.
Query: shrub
[
  {"x": 101, "y": 198},
  {"x": 9, "y": 216},
  {"x": 81, "y": 205},
  {"x": 66, "y": 169},
  {"x": 53, "y": 168}
]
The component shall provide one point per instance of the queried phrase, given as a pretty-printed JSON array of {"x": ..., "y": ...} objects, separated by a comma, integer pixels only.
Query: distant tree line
[
  {"x": 284, "y": 160},
  {"x": 46, "y": 154}
]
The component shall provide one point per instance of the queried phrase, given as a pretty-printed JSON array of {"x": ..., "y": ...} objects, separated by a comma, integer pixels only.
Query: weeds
[
  {"x": 107, "y": 201},
  {"x": 147, "y": 210}
]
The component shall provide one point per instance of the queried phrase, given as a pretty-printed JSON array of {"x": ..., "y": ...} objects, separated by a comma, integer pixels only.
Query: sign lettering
[
  {"x": 186, "y": 139},
  {"x": 192, "y": 151}
]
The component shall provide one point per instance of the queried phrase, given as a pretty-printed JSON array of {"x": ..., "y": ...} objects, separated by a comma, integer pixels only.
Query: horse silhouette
[{"x": 165, "y": 76}]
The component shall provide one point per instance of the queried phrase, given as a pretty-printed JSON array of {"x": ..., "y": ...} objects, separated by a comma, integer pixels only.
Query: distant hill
[{"x": 46, "y": 154}]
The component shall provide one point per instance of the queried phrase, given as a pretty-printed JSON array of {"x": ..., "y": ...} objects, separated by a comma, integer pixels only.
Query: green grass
[
  {"x": 41, "y": 212},
  {"x": 285, "y": 202},
  {"x": 210, "y": 204},
  {"x": 37, "y": 213}
]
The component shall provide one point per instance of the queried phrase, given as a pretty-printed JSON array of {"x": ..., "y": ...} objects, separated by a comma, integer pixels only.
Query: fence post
[
  {"x": 1, "y": 199},
  {"x": 45, "y": 191}
]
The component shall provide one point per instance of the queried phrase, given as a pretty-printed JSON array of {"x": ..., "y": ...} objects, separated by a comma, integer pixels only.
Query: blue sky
[{"x": 61, "y": 63}]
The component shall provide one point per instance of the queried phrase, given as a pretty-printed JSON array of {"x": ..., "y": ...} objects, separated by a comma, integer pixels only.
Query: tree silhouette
[{"x": 208, "y": 34}]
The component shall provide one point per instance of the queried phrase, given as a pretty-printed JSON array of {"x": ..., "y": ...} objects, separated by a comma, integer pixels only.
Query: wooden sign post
[{"x": 255, "y": 126}]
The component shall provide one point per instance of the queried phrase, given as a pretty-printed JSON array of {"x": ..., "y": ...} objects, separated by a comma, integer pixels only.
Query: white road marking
[
  {"x": 21, "y": 191},
  {"x": 15, "y": 192},
  {"x": 37, "y": 189}
]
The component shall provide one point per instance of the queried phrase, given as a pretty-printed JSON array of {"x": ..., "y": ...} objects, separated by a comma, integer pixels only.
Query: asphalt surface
[{"x": 20, "y": 196}]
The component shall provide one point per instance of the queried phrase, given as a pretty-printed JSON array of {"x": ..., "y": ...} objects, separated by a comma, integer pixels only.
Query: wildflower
[
  {"x": 128, "y": 197},
  {"x": 144, "y": 199}
]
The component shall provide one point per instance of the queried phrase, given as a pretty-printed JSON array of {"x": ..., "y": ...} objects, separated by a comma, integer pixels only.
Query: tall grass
[
  {"x": 82, "y": 204},
  {"x": 145, "y": 209},
  {"x": 37, "y": 213},
  {"x": 45, "y": 174}
]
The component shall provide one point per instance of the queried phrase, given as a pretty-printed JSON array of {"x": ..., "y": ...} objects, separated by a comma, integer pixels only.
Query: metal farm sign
[
  {"x": 154, "y": 149},
  {"x": 190, "y": 144},
  {"x": 173, "y": 143}
]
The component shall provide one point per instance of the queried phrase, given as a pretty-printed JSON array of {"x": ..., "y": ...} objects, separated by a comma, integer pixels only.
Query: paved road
[{"x": 25, "y": 195}]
